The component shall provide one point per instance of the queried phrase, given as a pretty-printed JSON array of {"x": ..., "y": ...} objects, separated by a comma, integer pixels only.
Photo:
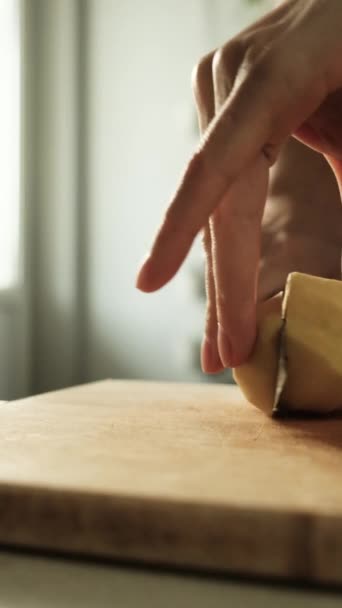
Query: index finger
[
  {"x": 233, "y": 140},
  {"x": 271, "y": 102}
]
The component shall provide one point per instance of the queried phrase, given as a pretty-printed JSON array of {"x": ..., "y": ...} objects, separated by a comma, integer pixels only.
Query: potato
[{"x": 310, "y": 317}]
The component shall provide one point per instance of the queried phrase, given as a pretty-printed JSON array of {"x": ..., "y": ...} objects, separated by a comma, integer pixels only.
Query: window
[{"x": 9, "y": 141}]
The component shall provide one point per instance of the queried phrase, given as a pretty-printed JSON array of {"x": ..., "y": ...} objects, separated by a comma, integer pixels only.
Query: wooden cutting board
[{"x": 177, "y": 474}]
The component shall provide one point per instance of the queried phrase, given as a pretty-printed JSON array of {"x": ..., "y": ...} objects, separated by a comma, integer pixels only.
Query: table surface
[{"x": 33, "y": 581}]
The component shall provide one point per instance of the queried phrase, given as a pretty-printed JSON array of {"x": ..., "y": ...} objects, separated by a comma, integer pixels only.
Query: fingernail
[
  {"x": 210, "y": 358},
  {"x": 224, "y": 347}
]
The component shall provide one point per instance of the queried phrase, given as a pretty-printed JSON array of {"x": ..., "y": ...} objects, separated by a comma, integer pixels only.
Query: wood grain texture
[{"x": 179, "y": 474}]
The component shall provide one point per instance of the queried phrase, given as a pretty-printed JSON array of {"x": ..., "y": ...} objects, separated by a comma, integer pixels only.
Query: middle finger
[
  {"x": 205, "y": 103},
  {"x": 235, "y": 239}
]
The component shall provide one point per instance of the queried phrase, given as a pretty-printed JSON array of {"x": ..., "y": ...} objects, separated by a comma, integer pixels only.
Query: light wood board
[{"x": 176, "y": 474}]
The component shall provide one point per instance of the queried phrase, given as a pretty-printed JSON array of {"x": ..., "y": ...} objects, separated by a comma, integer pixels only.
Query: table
[{"x": 36, "y": 581}]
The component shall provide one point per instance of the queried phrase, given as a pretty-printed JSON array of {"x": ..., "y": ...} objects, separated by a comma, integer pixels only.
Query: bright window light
[{"x": 9, "y": 141}]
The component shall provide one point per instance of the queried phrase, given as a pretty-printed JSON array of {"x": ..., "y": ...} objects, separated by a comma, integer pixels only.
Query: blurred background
[{"x": 96, "y": 123}]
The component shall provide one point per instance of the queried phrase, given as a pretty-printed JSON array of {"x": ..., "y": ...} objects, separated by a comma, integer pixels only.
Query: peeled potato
[
  {"x": 257, "y": 377},
  {"x": 310, "y": 319}
]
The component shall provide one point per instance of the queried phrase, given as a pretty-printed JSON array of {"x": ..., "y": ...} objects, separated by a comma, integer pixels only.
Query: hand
[
  {"x": 281, "y": 76},
  {"x": 302, "y": 222}
]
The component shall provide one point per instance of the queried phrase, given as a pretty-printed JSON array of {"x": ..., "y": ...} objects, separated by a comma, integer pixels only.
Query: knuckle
[
  {"x": 254, "y": 51},
  {"x": 261, "y": 58},
  {"x": 200, "y": 75},
  {"x": 219, "y": 63},
  {"x": 225, "y": 59},
  {"x": 226, "y": 66}
]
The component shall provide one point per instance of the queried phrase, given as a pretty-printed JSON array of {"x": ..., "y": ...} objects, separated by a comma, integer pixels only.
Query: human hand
[
  {"x": 281, "y": 76},
  {"x": 302, "y": 221}
]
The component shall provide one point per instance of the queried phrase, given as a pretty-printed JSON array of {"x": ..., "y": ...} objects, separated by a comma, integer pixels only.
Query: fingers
[
  {"x": 225, "y": 65},
  {"x": 232, "y": 247},
  {"x": 210, "y": 358},
  {"x": 234, "y": 140},
  {"x": 202, "y": 86},
  {"x": 236, "y": 253},
  {"x": 225, "y": 182},
  {"x": 224, "y": 68},
  {"x": 202, "y": 83},
  {"x": 214, "y": 80},
  {"x": 236, "y": 241},
  {"x": 235, "y": 137}
]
